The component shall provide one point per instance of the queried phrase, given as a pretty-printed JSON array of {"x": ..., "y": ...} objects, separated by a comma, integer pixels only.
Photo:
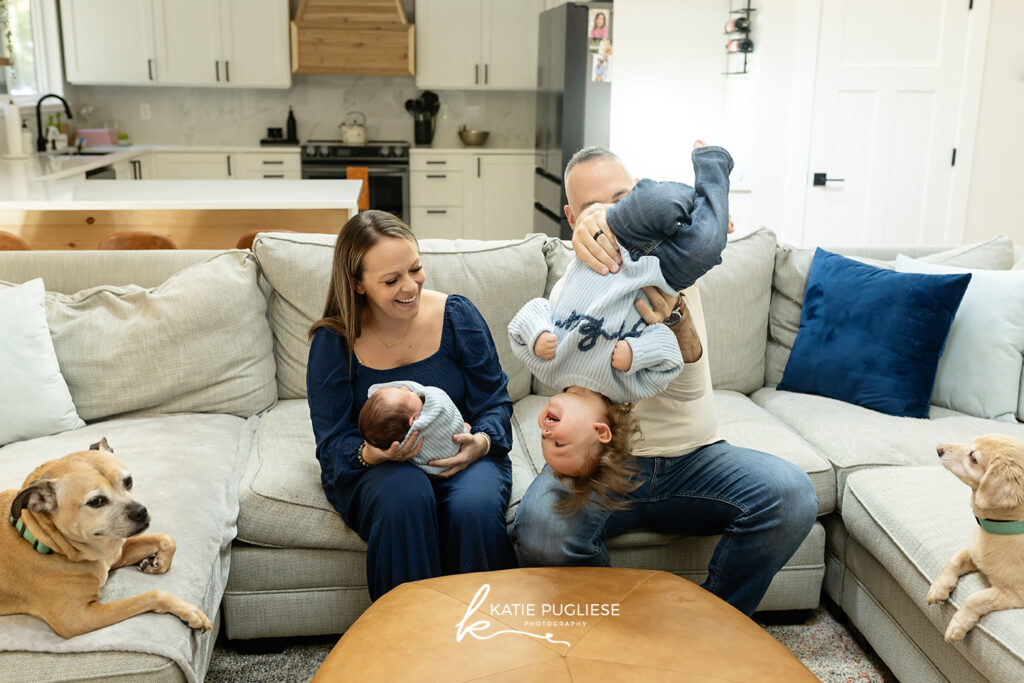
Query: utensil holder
[{"x": 423, "y": 132}]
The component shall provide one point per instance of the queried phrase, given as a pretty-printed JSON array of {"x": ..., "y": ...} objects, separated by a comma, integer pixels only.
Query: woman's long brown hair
[{"x": 343, "y": 311}]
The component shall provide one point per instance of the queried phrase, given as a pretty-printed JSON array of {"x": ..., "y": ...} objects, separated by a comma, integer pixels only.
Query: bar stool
[
  {"x": 136, "y": 240},
  {"x": 11, "y": 242}
]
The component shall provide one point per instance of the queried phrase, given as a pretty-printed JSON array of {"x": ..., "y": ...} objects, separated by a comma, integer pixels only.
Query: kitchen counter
[{"x": 471, "y": 150}]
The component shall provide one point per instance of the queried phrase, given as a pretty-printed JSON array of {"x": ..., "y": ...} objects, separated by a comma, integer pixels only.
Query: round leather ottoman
[{"x": 557, "y": 624}]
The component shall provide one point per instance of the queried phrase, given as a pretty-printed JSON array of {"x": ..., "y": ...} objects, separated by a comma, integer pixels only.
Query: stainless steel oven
[{"x": 387, "y": 163}]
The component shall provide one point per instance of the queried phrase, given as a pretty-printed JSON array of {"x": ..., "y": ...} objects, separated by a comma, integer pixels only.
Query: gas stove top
[{"x": 389, "y": 151}]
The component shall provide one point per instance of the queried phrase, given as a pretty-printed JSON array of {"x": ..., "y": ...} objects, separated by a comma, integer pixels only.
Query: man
[{"x": 691, "y": 482}]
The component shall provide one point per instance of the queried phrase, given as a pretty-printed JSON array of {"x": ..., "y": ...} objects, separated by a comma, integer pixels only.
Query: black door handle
[{"x": 820, "y": 179}]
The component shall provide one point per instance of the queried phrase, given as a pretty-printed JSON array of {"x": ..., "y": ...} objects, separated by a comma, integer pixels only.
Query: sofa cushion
[
  {"x": 735, "y": 295},
  {"x": 497, "y": 276},
  {"x": 186, "y": 469},
  {"x": 912, "y": 520},
  {"x": 793, "y": 264},
  {"x": 34, "y": 398},
  {"x": 980, "y": 370},
  {"x": 198, "y": 342},
  {"x": 871, "y": 336},
  {"x": 854, "y": 438}
]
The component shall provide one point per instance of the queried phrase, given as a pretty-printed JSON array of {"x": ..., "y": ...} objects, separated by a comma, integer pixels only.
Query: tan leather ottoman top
[{"x": 557, "y": 624}]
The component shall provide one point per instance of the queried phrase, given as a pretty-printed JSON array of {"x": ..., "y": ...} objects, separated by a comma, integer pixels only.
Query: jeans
[
  {"x": 685, "y": 227},
  {"x": 762, "y": 506}
]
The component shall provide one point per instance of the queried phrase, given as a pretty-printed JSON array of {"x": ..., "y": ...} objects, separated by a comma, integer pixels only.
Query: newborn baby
[{"x": 396, "y": 409}]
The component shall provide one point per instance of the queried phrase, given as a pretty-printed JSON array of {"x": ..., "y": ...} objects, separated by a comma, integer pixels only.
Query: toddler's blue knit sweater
[
  {"x": 591, "y": 314},
  {"x": 437, "y": 422}
]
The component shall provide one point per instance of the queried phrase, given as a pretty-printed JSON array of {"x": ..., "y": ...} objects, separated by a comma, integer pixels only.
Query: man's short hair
[{"x": 592, "y": 153}]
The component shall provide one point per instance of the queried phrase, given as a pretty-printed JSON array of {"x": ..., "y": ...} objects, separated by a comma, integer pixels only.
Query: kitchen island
[{"x": 195, "y": 214}]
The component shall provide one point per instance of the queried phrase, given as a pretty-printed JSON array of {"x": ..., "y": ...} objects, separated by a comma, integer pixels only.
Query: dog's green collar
[
  {"x": 27, "y": 535},
  {"x": 1002, "y": 527}
]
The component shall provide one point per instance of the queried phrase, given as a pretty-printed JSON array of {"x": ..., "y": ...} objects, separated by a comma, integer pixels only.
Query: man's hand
[
  {"x": 545, "y": 346},
  {"x": 600, "y": 253},
  {"x": 376, "y": 456},
  {"x": 622, "y": 356},
  {"x": 685, "y": 331}
]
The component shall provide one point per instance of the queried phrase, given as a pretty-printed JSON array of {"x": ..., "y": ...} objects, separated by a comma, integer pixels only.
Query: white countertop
[
  {"x": 470, "y": 150},
  {"x": 99, "y": 195}
]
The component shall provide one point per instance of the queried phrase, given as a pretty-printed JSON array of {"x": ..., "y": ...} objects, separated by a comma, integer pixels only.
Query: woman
[{"x": 380, "y": 325}]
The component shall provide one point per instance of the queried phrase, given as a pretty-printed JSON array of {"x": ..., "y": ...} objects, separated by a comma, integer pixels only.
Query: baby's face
[
  {"x": 401, "y": 396},
  {"x": 572, "y": 427}
]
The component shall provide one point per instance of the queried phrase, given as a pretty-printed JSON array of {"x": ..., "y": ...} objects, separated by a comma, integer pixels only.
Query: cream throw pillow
[
  {"x": 34, "y": 398},
  {"x": 980, "y": 369}
]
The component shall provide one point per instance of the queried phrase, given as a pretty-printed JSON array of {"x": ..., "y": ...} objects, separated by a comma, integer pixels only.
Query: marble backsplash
[{"x": 223, "y": 116}]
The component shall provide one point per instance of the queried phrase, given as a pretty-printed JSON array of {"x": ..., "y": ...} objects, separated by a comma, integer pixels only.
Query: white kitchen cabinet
[
  {"x": 479, "y": 195},
  {"x": 477, "y": 44},
  {"x": 138, "y": 167},
  {"x": 107, "y": 41},
  {"x": 193, "y": 165},
  {"x": 267, "y": 165},
  {"x": 218, "y": 43},
  {"x": 215, "y": 164}
]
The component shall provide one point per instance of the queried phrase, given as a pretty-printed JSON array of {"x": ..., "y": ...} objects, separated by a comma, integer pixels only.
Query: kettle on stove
[{"x": 352, "y": 131}]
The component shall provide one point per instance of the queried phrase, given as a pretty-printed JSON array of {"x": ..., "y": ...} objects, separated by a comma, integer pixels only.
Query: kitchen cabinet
[
  {"x": 218, "y": 43},
  {"x": 213, "y": 165},
  {"x": 478, "y": 195},
  {"x": 479, "y": 44},
  {"x": 138, "y": 167}
]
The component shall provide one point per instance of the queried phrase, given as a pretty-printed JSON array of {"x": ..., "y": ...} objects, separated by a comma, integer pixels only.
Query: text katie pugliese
[{"x": 547, "y": 609}]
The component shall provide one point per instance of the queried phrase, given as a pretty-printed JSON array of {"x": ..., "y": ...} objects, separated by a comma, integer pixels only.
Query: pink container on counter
[{"x": 97, "y": 137}]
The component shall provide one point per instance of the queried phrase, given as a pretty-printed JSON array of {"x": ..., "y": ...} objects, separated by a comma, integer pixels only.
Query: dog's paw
[
  {"x": 958, "y": 627},
  {"x": 149, "y": 565},
  {"x": 937, "y": 592},
  {"x": 194, "y": 617}
]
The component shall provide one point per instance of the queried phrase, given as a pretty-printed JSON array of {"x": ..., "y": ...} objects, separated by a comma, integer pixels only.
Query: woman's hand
[
  {"x": 375, "y": 456},
  {"x": 472, "y": 448},
  {"x": 600, "y": 253}
]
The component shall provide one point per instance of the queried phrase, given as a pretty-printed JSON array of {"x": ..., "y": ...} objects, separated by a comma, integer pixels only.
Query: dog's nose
[
  {"x": 940, "y": 449},
  {"x": 138, "y": 513}
]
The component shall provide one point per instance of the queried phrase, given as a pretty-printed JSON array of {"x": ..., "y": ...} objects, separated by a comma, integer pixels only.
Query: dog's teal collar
[
  {"x": 27, "y": 535},
  {"x": 1002, "y": 527}
]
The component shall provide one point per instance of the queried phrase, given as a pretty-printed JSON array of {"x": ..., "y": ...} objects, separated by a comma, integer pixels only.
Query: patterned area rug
[{"x": 819, "y": 640}]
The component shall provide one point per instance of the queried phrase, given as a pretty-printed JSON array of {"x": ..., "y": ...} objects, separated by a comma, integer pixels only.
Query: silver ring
[{"x": 598, "y": 234}]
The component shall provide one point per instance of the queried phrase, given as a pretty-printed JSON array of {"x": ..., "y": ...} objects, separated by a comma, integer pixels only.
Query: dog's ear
[
  {"x": 38, "y": 496},
  {"x": 1002, "y": 485},
  {"x": 101, "y": 445}
]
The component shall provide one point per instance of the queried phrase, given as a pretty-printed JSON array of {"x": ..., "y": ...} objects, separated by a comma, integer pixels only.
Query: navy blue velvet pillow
[{"x": 872, "y": 336}]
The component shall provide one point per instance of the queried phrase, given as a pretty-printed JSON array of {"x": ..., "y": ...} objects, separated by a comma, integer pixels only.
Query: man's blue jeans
[{"x": 762, "y": 506}]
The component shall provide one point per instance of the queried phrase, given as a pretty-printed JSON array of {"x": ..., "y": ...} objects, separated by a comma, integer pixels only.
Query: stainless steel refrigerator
[{"x": 573, "y": 102}]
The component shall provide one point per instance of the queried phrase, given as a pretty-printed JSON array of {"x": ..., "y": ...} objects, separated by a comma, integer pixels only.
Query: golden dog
[
  {"x": 71, "y": 523},
  {"x": 993, "y": 466}
]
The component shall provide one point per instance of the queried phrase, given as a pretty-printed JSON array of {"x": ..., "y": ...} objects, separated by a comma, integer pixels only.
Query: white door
[
  {"x": 187, "y": 37},
  {"x": 887, "y": 91},
  {"x": 107, "y": 41},
  {"x": 502, "y": 208},
  {"x": 510, "y": 44},
  {"x": 448, "y": 44},
  {"x": 255, "y": 43}
]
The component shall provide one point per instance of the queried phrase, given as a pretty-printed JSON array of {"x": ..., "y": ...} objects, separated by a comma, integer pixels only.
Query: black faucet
[{"x": 41, "y": 137}]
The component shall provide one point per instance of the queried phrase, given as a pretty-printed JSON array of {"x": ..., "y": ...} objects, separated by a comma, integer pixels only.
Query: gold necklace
[{"x": 391, "y": 346}]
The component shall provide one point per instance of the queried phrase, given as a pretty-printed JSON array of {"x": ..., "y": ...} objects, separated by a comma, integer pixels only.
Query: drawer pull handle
[
  {"x": 273, "y": 175},
  {"x": 437, "y": 175},
  {"x": 434, "y": 163},
  {"x": 267, "y": 162},
  {"x": 437, "y": 210}
]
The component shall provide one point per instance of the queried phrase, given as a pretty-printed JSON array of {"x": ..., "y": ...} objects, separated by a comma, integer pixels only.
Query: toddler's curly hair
[{"x": 612, "y": 472}]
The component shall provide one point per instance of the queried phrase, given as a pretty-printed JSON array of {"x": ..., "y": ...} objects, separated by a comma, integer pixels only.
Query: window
[{"x": 31, "y": 41}]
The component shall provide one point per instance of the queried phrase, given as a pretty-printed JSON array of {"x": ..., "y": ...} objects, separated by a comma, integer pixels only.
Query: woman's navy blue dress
[{"x": 417, "y": 527}]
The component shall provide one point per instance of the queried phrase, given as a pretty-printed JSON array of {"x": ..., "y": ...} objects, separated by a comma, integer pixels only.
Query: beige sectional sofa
[{"x": 280, "y": 562}]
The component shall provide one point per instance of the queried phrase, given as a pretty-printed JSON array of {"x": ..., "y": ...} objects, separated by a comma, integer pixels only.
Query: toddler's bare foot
[
  {"x": 622, "y": 356},
  {"x": 699, "y": 143},
  {"x": 545, "y": 346}
]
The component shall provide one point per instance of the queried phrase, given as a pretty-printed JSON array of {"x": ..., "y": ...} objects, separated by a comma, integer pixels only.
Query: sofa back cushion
[
  {"x": 497, "y": 276},
  {"x": 793, "y": 265},
  {"x": 735, "y": 296},
  {"x": 197, "y": 342}
]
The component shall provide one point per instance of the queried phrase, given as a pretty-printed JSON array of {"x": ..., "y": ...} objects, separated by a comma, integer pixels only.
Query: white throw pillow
[
  {"x": 980, "y": 370},
  {"x": 34, "y": 398}
]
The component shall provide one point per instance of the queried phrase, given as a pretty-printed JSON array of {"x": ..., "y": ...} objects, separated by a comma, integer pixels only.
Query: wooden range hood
[{"x": 368, "y": 37}]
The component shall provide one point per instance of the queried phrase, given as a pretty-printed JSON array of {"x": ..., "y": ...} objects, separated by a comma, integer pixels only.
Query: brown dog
[
  {"x": 72, "y": 522},
  {"x": 993, "y": 466}
]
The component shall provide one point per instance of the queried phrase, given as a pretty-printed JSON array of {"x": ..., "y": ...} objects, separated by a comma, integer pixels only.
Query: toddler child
[
  {"x": 590, "y": 339},
  {"x": 396, "y": 409}
]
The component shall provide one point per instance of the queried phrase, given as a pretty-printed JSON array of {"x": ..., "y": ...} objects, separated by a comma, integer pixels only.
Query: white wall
[{"x": 995, "y": 205}]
